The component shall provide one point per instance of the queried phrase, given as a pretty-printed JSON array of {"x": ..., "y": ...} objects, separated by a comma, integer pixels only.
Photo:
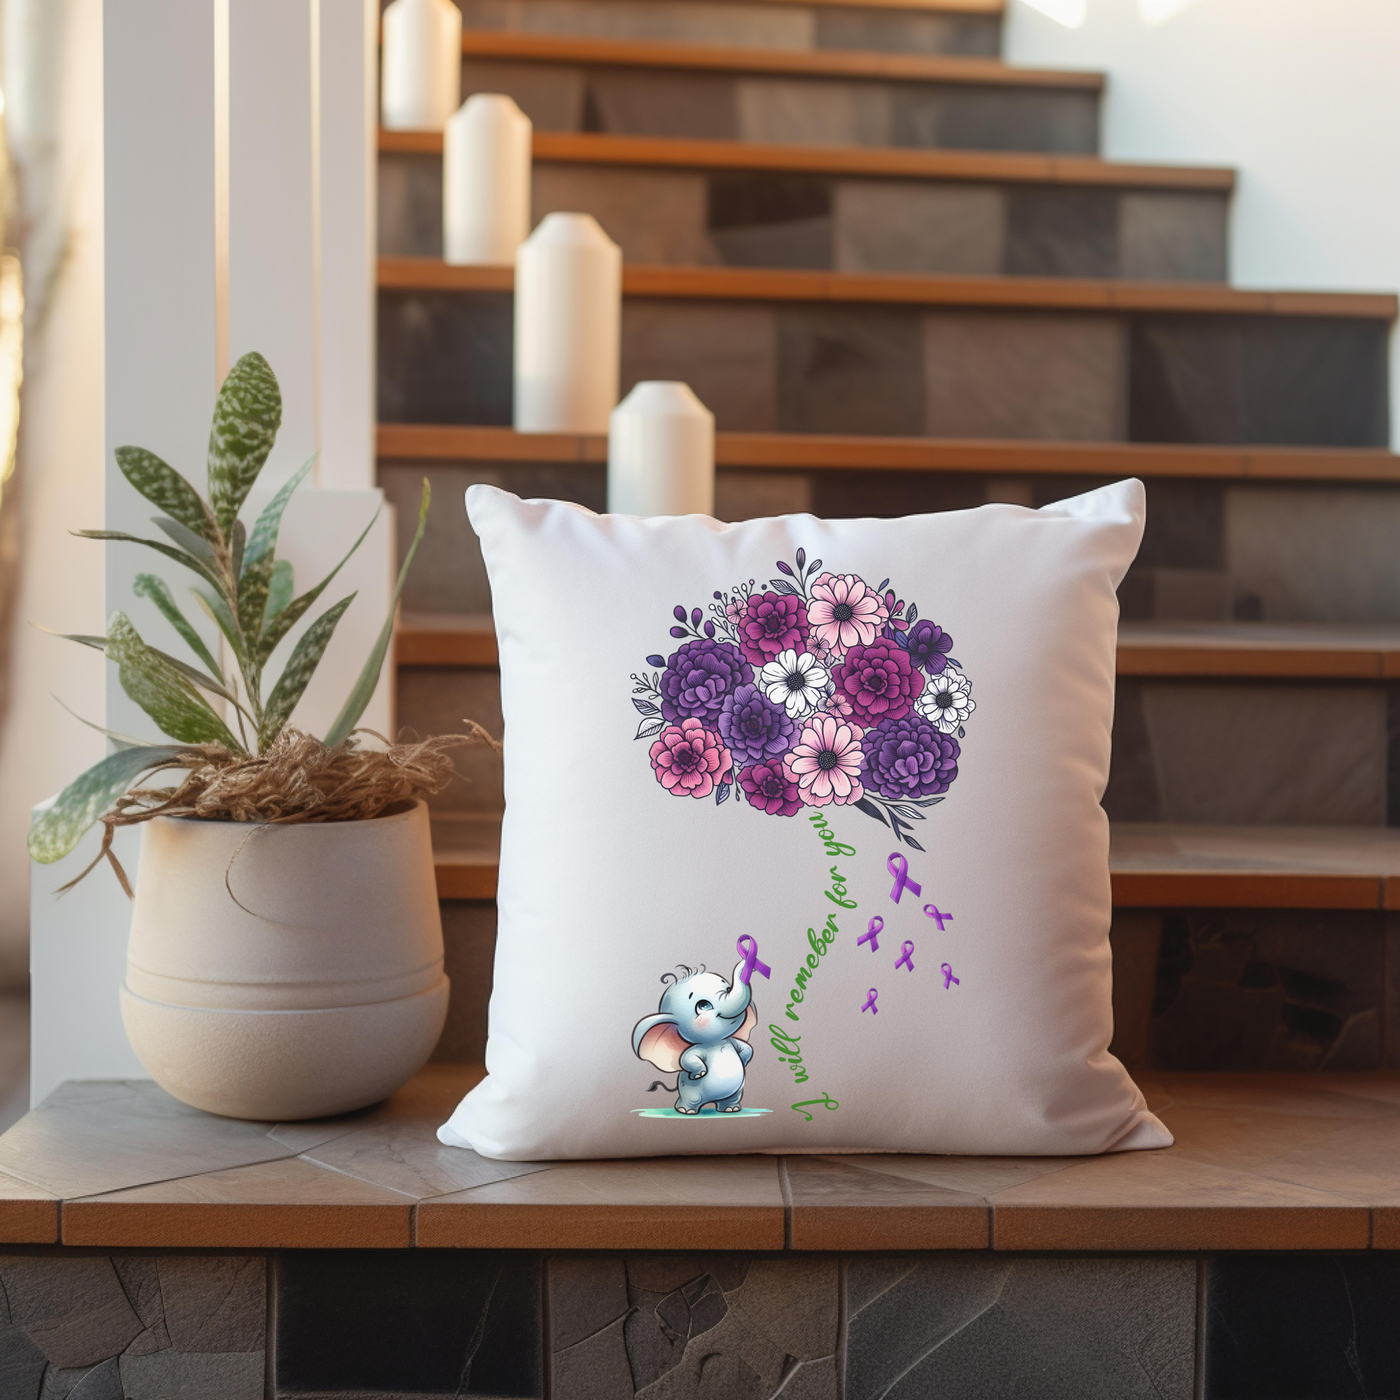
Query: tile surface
[
  {"x": 1295, "y": 1328},
  {"x": 1059, "y": 231},
  {"x": 412, "y": 1323},
  {"x": 1168, "y": 236},
  {"x": 1004, "y": 375},
  {"x": 906, "y": 226},
  {"x": 991, "y": 1327}
]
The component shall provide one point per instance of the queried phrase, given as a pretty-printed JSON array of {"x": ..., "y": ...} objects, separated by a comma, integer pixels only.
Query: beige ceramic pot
[{"x": 322, "y": 993}]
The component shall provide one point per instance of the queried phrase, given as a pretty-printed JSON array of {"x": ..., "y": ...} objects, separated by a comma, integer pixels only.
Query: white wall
[
  {"x": 56, "y": 128},
  {"x": 1302, "y": 97}
]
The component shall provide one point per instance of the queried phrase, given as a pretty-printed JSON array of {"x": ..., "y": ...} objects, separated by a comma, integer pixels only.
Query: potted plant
[{"x": 286, "y": 955}]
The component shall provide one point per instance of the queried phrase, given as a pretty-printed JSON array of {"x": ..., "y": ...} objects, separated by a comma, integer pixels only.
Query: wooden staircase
[{"x": 897, "y": 271}]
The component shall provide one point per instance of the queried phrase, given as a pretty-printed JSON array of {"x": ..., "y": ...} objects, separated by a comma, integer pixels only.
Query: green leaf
[
  {"x": 363, "y": 692},
  {"x": 279, "y": 589},
  {"x": 215, "y": 607},
  {"x": 178, "y": 555},
  {"x": 122, "y": 741},
  {"x": 187, "y": 540},
  {"x": 156, "y": 589},
  {"x": 158, "y": 687},
  {"x": 237, "y": 545},
  {"x": 275, "y": 628},
  {"x": 263, "y": 540},
  {"x": 163, "y": 486},
  {"x": 297, "y": 673},
  {"x": 56, "y": 831},
  {"x": 247, "y": 414}
]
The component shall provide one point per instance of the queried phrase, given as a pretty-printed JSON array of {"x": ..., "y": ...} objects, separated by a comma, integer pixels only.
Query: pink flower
[
  {"x": 771, "y": 623},
  {"x": 689, "y": 760},
  {"x": 843, "y": 612},
  {"x": 838, "y": 704},
  {"x": 826, "y": 763}
]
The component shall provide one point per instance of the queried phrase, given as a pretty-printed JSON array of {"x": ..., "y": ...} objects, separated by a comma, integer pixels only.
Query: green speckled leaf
[
  {"x": 168, "y": 697},
  {"x": 280, "y": 588},
  {"x": 215, "y": 607},
  {"x": 187, "y": 540},
  {"x": 263, "y": 540},
  {"x": 156, "y": 589},
  {"x": 363, "y": 692},
  {"x": 169, "y": 551},
  {"x": 247, "y": 414},
  {"x": 297, "y": 673},
  {"x": 163, "y": 486},
  {"x": 56, "y": 831}
]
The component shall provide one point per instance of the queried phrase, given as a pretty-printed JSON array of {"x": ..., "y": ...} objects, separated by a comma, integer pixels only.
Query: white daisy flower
[
  {"x": 947, "y": 700},
  {"x": 795, "y": 680}
]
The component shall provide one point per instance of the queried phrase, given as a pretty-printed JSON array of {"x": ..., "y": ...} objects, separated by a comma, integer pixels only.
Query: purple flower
[
  {"x": 699, "y": 678},
  {"x": 770, "y": 788},
  {"x": 908, "y": 758},
  {"x": 772, "y": 622},
  {"x": 754, "y": 727},
  {"x": 878, "y": 681},
  {"x": 929, "y": 646}
]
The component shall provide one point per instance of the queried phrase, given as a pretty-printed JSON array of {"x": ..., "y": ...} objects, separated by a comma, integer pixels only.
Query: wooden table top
[{"x": 1263, "y": 1161}]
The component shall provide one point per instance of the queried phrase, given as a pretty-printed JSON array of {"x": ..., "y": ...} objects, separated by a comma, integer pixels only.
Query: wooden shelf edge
[
  {"x": 1022, "y": 293},
  {"x": 476, "y": 879},
  {"x": 824, "y": 63},
  {"x": 814, "y": 452},
  {"x": 587, "y": 148}
]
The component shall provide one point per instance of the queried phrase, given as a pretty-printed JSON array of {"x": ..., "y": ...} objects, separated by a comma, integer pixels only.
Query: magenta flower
[
  {"x": 879, "y": 682},
  {"x": 771, "y": 788},
  {"x": 688, "y": 760},
  {"x": 826, "y": 763},
  {"x": 844, "y": 612},
  {"x": 772, "y": 622}
]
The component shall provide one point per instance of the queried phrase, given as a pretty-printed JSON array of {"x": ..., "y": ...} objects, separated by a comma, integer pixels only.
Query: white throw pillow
[{"x": 786, "y": 866}]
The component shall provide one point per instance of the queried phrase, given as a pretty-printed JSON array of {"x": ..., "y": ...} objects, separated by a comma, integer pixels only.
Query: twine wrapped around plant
[{"x": 298, "y": 779}]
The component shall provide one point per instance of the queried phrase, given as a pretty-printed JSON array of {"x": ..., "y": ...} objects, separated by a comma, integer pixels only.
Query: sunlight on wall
[
  {"x": 1070, "y": 13},
  {"x": 1160, "y": 11}
]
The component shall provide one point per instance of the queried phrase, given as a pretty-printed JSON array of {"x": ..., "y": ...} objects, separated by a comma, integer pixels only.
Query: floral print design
[{"x": 815, "y": 689}]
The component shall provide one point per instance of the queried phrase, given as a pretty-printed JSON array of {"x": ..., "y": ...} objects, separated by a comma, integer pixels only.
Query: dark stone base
[{"x": 371, "y": 1324}]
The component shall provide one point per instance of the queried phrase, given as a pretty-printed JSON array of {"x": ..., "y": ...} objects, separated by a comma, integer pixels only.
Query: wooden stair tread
[
  {"x": 1261, "y": 1161},
  {"x": 1238, "y": 649},
  {"x": 1153, "y": 865},
  {"x": 1038, "y": 293},
  {"x": 586, "y": 148},
  {"x": 823, "y": 63},
  {"x": 821, "y": 452}
]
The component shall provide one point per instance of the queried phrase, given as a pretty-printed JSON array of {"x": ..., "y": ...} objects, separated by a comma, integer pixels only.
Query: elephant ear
[
  {"x": 750, "y": 1021},
  {"x": 657, "y": 1039}
]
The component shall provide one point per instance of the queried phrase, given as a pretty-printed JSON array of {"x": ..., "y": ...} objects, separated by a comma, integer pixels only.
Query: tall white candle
[
  {"x": 661, "y": 452},
  {"x": 422, "y": 84},
  {"x": 568, "y": 326},
  {"x": 485, "y": 181}
]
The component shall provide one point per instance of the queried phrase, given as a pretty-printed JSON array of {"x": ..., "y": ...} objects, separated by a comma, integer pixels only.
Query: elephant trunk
[{"x": 735, "y": 1001}]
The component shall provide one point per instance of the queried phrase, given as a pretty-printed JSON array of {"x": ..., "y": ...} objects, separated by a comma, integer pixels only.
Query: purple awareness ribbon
[
  {"x": 871, "y": 935},
  {"x": 747, "y": 947},
  {"x": 898, "y": 866},
  {"x": 934, "y": 912},
  {"x": 908, "y": 959},
  {"x": 870, "y": 1003},
  {"x": 948, "y": 978}
]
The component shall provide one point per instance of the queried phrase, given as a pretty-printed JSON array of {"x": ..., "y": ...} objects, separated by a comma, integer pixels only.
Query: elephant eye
[{"x": 703, "y": 1005}]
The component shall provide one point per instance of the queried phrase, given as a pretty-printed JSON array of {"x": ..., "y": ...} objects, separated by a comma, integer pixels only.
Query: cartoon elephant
[{"x": 701, "y": 1034}]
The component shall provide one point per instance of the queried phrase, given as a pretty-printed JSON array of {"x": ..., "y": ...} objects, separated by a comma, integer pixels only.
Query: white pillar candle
[
  {"x": 422, "y": 84},
  {"x": 661, "y": 452},
  {"x": 568, "y": 326},
  {"x": 485, "y": 181}
]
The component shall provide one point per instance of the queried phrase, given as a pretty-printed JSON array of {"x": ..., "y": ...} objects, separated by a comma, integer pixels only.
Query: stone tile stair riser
[
  {"x": 1214, "y": 551},
  {"x": 775, "y": 219},
  {"x": 781, "y": 26},
  {"x": 800, "y": 110},
  {"x": 609, "y": 1326},
  {"x": 793, "y": 367}
]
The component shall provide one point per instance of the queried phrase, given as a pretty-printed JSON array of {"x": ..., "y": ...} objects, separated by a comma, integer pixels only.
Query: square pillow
[{"x": 802, "y": 846}]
